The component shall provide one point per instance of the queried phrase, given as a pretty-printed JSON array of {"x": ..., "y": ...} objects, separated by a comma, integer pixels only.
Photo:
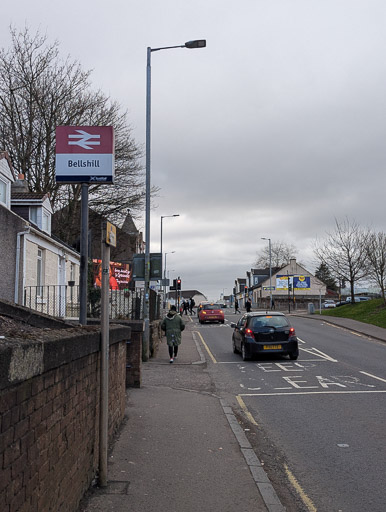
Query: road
[{"x": 318, "y": 423}]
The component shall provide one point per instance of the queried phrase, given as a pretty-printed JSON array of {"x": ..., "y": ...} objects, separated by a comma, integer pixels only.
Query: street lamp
[
  {"x": 164, "y": 286},
  {"x": 162, "y": 218},
  {"x": 172, "y": 252},
  {"x": 199, "y": 43},
  {"x": 270, "y": 272}
]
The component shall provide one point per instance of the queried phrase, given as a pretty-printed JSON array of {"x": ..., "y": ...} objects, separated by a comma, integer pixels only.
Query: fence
[{"x": 63, "y": 301}]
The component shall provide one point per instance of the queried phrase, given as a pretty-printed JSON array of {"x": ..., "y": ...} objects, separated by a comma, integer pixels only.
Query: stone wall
[{"x": 49, "y": 416}]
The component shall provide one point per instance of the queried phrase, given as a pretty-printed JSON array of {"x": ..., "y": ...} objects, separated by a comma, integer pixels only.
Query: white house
[{"x": 36, "y": 267}]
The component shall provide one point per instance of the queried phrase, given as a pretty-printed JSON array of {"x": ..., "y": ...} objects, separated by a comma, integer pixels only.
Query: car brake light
[
  {"x": 292, "y": 331},
  {"x": 249, "y": 332}
]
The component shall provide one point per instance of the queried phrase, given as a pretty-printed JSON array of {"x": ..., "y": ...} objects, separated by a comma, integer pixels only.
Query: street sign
[
  {"x": 85, "y": 154},
  {"x": 139, "y": 266},
  {"x": 111, "y": 234}
]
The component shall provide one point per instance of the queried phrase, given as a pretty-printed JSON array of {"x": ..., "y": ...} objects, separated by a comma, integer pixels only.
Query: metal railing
[
  {"x": 63, "y": 301},
  {"x": 55, "y": 300}
]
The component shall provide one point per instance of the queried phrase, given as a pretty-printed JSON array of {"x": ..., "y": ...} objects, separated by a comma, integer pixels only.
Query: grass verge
[{"x": 370, "y": 312}]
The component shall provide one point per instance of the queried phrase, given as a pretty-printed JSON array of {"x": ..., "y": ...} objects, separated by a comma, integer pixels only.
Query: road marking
[
  {"x": 315, "y": 352},
  {"x": 316, "y": 393},
  {"x": 245, "y": 410},
  {"x": 206, "y": 347},
  {"x": 373, "y": 376},
  {"x": 306, "y": 500},
  {"x": 301, "y": 341}
]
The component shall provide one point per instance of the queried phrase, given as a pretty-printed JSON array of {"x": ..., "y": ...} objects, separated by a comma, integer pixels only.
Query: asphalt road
[{"x": 320, "y": 420}]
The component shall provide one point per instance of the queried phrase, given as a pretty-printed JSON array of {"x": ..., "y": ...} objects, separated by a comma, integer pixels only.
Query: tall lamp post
[
  {"x": 172, "y": 252},
  {"x": 270, "y": 272},
  {"x": 162, "y": 218},
  {"x": 199, "y": 43}
]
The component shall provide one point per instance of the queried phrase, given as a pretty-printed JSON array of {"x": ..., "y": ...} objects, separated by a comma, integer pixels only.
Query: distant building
[{"x": 291, "y": 282}]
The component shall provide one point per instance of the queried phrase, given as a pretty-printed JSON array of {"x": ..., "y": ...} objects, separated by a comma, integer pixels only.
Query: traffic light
[
  {"x": 174, "y": 286},
  {"x": 178, "y": 284}
]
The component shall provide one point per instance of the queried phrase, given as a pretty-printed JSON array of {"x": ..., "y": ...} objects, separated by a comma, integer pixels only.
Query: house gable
[{"x": 7, "y": 177}]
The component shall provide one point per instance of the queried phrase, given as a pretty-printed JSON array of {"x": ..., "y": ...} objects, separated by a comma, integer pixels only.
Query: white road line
[
  {"x": 373, "y": 376},
  {"x": 301, "y": 341},
  {"x": 319, "y": 352},
  {"x": 315, "y": 393}
]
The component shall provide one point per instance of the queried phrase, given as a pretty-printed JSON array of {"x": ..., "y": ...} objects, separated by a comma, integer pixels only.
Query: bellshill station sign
[{"x": 85, "y": 154}]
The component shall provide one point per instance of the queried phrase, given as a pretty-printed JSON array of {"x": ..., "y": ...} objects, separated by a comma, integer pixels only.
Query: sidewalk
[
  {"x": 181, "y": 448},
  {"x": 378, "y": 333}
]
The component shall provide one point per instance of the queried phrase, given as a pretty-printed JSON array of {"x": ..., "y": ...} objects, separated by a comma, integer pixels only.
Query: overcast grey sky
[{"x": 274, "y": 129}]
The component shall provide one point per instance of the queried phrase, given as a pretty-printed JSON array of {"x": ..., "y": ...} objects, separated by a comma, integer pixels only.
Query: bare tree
[
  {"x": 376, "y": 260},
  {"x": 344, "y": 252},
  {"x": 281, "y": 253},
  {"x": 38, "y": 92}
]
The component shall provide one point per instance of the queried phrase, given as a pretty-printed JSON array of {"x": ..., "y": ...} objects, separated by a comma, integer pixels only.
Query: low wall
[{"x": 49, "y": 416}]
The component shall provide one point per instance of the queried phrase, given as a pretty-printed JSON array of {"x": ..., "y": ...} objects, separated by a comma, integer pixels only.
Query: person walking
[
  {"x": 237, "y": 306},
  {"x": 173, "y": 325},
  {"x": 192, "y": 303},
  {"x": 186, "y": 306},
  {"x": 248, "y": 305}
]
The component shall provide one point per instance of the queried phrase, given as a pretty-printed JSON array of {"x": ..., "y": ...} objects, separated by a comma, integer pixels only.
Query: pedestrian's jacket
[{"x": 173, "y": 325}]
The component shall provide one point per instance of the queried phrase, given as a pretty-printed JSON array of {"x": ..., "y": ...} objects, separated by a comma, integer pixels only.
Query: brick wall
[{"x": 49, "y": 417}]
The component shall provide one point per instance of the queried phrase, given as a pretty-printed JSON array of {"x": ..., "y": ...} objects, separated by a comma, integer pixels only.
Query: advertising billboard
[
  {"x": 120, "y": 275},
  {"x": 297, "y": 283}
]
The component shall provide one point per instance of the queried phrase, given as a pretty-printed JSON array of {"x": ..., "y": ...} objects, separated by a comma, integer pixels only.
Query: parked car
[
  {"x": 211, "y": 313},
  {"x": 329, "y": 304},
  {"x": 264, "y": 333}
]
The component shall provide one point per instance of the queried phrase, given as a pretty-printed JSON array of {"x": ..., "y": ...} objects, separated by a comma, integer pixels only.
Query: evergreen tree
[{"x": 323, "y": 273}]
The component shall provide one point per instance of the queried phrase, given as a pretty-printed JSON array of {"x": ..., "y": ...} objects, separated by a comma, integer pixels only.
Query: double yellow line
[
  {"x": 303, "y": 496},
  {"x": 206, "y": 347}
]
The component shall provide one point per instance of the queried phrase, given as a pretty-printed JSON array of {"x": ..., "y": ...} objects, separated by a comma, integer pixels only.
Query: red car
[{"x": 211, "y": 313}]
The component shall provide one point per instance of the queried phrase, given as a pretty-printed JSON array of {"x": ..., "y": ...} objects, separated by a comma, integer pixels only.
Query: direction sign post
[{"x": 84, "y": 155}]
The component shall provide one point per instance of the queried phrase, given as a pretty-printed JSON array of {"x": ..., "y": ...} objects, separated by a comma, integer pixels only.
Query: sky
[{"x": 273, "y": 130}]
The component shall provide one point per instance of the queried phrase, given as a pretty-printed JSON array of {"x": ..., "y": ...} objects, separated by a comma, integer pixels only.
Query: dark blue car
[{"x": 264, "y": 332}]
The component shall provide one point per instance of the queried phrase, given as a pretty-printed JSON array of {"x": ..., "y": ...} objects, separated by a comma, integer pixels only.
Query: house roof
[
  {"x": 263, "y": 271},
  {"x": 29, "y": 196}
]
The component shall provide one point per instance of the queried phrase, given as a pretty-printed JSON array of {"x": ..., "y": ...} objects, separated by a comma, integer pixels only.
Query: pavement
[
  {"x": 372, "y": 331},
  {"x": 181, "y": 448}
]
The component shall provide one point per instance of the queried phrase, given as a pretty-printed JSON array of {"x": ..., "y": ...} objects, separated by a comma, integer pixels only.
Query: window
[
  {"x": 3, "y": 192},
  {"x": 46, "y": 222},
  {"x": 33, "y": 214},
  {"x": 72, "y": 272},
  {"x": 40, "y": 273}
]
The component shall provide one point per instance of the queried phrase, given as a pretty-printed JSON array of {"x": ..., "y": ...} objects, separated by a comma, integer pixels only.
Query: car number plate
[{"x": 272, "y": 347}]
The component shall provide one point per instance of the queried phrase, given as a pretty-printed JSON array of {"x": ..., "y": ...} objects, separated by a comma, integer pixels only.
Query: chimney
[{"x": 20, "y": 185}]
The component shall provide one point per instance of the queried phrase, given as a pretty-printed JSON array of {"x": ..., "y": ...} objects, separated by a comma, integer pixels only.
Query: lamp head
[{"x": 197, "y": 43}]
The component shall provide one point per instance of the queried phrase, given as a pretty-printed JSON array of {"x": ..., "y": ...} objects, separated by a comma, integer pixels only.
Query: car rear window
[
  {"x": 212, "y": 306},
  {"x": 268, "y": 321}
]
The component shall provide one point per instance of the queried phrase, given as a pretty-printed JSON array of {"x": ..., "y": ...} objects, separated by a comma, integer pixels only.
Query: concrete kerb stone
[{"x": 260, "y": 477}]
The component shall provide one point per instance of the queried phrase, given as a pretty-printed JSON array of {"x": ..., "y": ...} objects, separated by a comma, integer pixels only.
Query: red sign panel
[{"x": 85, "y": 139}]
